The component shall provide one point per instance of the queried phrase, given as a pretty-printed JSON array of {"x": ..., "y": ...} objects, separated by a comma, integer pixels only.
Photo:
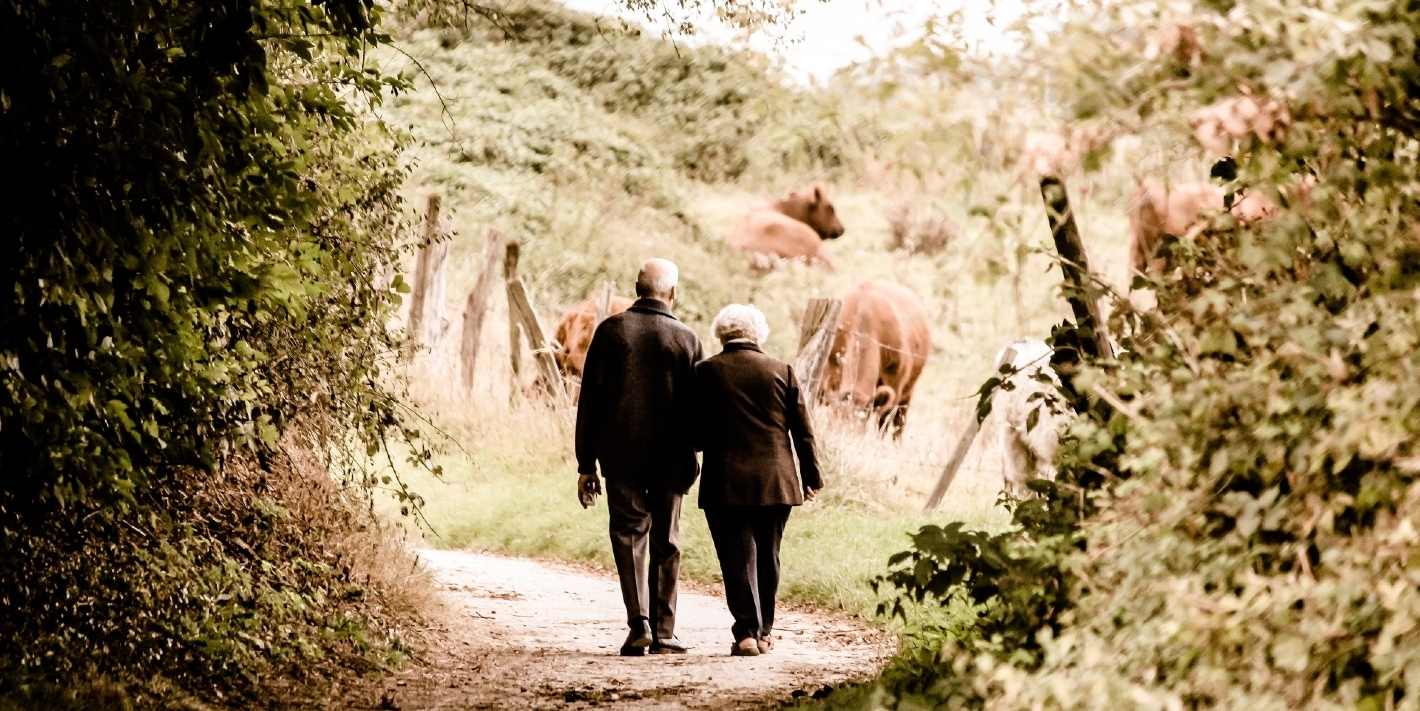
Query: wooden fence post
[
  {"x": 510, "y": 272},
  {"x": 968, "y": 435},
  {"x": 520, "y": 308},
  {"x": 478, "y": 306},
  {"x": 419, "y": 294},
  {"x": 1075, "y": 266},
  {"x": 816, "y": 337},
  {"x": 603, "y": 304}
]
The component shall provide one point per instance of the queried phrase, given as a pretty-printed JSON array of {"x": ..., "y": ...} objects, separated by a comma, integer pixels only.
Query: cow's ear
[{"x": 818, "y": 193}]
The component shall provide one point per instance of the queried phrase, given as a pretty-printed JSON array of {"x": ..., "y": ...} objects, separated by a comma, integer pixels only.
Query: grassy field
[
  {"x": 512, "y": 491},
  {"x": 520, "y": 138}
]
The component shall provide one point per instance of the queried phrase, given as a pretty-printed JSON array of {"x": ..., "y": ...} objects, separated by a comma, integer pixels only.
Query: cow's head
[
  {"x": 569, "y": 344},
  {"x": 812, "y": 207},
  {"x": 852, "y": 380}
]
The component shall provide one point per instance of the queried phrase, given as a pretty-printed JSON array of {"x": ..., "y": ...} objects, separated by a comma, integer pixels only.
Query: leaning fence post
[
  {"x": 478, "y": 306},
  {"x": 520, "y": 307},
  {"x": 968, "y": 435},
  {"x": 815, "y": 341},
  {"x": 1075, "y": 266},
  {"x": 603, "y": 304}
]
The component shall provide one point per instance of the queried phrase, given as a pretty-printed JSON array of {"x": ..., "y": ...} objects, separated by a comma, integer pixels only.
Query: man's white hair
[
  {"x": 740, "y": 321},
  {"x": 657, "y": 277}
]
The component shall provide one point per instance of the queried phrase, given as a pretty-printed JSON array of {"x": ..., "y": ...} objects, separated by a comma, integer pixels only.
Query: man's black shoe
[
  {"x": 637, "y": 640},
  {"x": 669, "y": 646}
]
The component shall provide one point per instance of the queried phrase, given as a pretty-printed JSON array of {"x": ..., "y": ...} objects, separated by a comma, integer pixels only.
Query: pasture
[{"x": 595, "y": 193}]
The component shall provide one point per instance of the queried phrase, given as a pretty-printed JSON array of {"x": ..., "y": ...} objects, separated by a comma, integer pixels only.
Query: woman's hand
[{"x": 809, "y": 494}]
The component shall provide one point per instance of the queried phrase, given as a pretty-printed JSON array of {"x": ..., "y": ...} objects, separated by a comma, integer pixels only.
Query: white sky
[{"x": 830, "y": 35}]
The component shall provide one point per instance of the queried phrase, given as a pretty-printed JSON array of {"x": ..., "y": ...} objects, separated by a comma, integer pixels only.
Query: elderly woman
[{"x": 752, "y": 421}]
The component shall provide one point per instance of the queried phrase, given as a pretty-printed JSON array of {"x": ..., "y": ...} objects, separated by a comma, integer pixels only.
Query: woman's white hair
[{"x": 740, "y": 321}]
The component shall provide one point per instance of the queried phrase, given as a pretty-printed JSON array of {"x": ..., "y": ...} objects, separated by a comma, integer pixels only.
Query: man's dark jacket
[
  {"x": 749, "y": 410},
  {"x": 637, "y": 386}
]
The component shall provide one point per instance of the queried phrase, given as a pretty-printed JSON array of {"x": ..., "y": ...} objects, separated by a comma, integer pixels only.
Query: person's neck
[{"x": 670, "y": 303}]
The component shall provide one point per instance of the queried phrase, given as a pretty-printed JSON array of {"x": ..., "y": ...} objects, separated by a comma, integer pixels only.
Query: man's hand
[
  {"x": 588, "y": 488},
  {"x": 809, "y": 494}
]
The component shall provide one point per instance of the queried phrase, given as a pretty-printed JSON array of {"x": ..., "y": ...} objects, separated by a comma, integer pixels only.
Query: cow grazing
[
  {"x": 1156, "y": 210},
  {"x": 879, "y": 350},
  {"x": 1028, "y": 448},
  {"x": 574, "y": 336},
  {"x": 793, "y": 227}
]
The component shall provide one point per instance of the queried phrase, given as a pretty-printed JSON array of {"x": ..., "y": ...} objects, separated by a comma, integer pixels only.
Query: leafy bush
[
  {"x": 211, "y": 582},
  {"x": 195, "y": 238},
  {"x": 915, "y": 230},
  {"x": 1236, "y": 515},
  {"x": 194, "y": 248}
]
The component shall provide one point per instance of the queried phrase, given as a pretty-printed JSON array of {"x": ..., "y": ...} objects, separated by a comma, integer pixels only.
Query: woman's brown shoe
[
  {"x": 746, "y": 647},
  {"x": 766, "y": 643}
]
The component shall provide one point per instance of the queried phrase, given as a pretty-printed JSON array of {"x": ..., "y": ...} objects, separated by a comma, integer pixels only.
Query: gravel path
[{"x": 524, "y": 634}]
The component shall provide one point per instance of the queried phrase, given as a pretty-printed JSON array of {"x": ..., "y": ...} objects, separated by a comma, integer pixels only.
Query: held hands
[
  {"x": 588, "y": 488},
  {"x": 809, "y": 494}
]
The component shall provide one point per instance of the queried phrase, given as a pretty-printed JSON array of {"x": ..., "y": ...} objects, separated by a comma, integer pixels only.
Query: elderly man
[
  {"x": 752, "y": 423},
  {"x": 633, "y": 419}
]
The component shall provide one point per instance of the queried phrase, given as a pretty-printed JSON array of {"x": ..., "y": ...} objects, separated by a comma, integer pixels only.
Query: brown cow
[
  {"x": 574, "y": 336},
  {"x": 793, "y": 227},
  {"x": 1156, "y": 210},
  {"x": 879, "y": 351}
]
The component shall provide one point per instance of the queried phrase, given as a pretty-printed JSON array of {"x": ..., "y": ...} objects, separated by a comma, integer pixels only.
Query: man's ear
[{"x": 672, "y": 294}]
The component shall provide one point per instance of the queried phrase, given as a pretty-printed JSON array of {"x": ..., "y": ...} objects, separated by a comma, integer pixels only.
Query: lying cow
[
  {"x": 879, "y": 350},
  {"x": 793, "y": 227},
  {"x": 574, "y": 336},
  {"x": 1156, "y": 210},
  {"x": 1028, "y": 449}
]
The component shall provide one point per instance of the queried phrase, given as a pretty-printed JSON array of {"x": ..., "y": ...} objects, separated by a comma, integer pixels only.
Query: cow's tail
[{"x": 885, "y": 400}]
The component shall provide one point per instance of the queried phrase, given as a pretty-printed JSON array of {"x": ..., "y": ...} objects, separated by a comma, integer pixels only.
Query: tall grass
[{"x": 509, "y": 480}]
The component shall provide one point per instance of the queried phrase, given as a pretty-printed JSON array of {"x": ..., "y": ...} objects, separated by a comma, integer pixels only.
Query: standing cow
[
  {"x": 793, "y": 227},
  {"x": 574, "y": 336},
  {"x": 1156, "y": 210},
  {"x": 879, "y": 350}
]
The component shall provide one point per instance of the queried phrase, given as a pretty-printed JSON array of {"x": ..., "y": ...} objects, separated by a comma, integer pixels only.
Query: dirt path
[{"x": 524, "y": 634}]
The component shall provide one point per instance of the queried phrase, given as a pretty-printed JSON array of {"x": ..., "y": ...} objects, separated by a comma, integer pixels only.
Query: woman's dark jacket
[{"x": 749, "y": 411}]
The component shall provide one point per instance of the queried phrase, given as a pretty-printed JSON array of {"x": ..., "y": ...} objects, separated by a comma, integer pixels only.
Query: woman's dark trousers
[{"x": 747, "y": 543}]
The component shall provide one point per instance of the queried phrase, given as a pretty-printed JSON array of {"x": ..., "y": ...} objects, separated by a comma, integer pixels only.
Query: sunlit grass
[{"x": 512, "y": 491}]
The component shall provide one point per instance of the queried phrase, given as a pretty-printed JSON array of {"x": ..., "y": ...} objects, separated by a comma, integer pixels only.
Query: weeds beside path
[{"x": 534, "y": 635}]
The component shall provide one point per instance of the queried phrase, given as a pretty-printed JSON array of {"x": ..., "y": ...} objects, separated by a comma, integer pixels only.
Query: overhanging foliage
[
  {"x": 1250, "y": 538},
  {"x": 200, "y": 228},
  {"x": 196, "y": 215}
]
